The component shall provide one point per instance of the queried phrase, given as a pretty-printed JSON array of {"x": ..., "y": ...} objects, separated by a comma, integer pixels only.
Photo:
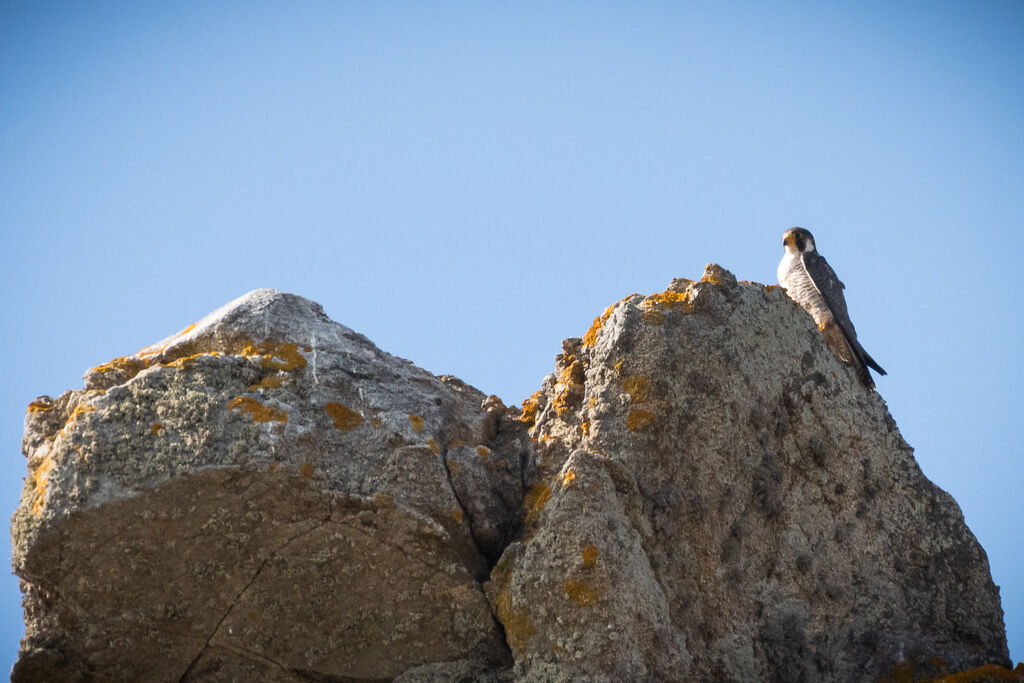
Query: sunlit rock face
[
  {"x": 701, "y": 491},
  {"x": 718, "y": 498}
]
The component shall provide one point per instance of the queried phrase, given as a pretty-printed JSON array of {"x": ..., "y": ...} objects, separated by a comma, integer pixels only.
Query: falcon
[{"x": 810, "y": 281}]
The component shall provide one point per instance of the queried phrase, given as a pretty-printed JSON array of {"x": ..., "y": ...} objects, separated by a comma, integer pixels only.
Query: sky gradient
[{"x": 468, "y": 183}]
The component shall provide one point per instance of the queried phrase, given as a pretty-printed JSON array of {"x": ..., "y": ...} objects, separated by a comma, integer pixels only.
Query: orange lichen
[
  {"x": 454, "y": 467},
  {"x": 258, "y": 411},
  {"x": 268, "y": 382},
  {"x": 375, "y": 422},
  {"x": 570, "y": 381},
  {"x": 417, "y": 422},
  {"x": 147, "y": 353},
  {"x": 589, "y": 555},
  {"x": 676, "y": 302},
  {"x": 590, "y": 338},
  {"x": 581, "y": 592},
  {"x": 80, "y": 410},
  {"x": 654, "y": 316},
  {"x": 638, "y": 419},
  {"x": 457, "y": 515},
  {"x": 569, "y": 478},
  {"x": 39, "y": 473},
  {"x": 130, "y": 365},
  {"x": 306, "y": 470},
  {"x": 185, "y": 361},
  {"x": 518, "y": 625},
  {"x": 345, "y": 419},
  {"x": 41, "y": 405},
  {"x": 483, "y": 451},
  {"x": 711, "y": 276},
  {"x": 985, "y": 672},
  {"x": 156, "y": 428},
  {"x": 276, "y": 356},
  {"x": 637, "y": 388},
  {"x": 273, "y": 466},
  {"x": 434, "y": 446},
  {"x": 585, "y": 428},
  {"x": 901, "y": 673},
  {"x": 536, "y": 498},
  {"x": 530, "y": 408}
]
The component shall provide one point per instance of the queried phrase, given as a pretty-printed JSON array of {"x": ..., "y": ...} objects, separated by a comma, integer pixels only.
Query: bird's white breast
[{"x": 801, "y": 289}]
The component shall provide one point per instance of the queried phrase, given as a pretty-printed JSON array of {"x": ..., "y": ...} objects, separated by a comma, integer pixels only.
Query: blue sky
[{"x": 468, "y": 183}]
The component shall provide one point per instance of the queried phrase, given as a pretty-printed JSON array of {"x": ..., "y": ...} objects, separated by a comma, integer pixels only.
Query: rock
[
  {"x": 700, "y": 492},
  {"x": 263, "y": 496},
  {"x": 718, "y": 499}
]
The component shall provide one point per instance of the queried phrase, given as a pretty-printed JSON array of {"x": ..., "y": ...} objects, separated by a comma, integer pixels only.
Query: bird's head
[{"x": 798, "y": 241}]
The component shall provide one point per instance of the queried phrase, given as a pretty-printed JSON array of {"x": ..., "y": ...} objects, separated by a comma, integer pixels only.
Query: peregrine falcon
[{"x": 811, "y": 282}]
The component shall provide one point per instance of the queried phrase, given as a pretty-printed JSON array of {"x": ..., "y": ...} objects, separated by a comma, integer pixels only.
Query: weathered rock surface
[
  {"x": 264, "y": 496},
  {"x": 700, "y": 492}
]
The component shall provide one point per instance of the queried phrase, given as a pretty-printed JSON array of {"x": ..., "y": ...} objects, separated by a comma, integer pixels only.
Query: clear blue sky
[{"x": 467, "y": 183}]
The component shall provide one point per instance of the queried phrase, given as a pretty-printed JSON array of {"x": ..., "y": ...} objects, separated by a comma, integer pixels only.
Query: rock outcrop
[{"x": 700, "y": 492}]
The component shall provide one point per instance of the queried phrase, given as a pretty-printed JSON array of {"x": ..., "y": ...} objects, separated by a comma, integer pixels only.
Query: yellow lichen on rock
[
  {"x": 536, "y": 498},
  {"x": 568, "y": 479},
  {"x": 276, "y": 356},
  {"x": 185, "y": 361},
  {"x": 711, "y": 277},
  {"x": 590, "y": 338},
  {"x": 654, "y": 316},
  {"x": 530, "y": 408},
  {"x": 986, "y": 672},
  {"x": 655, "y": 306},
  {"x": 258, "y": 411},
  {"x": 435, "y": 448},
  {"x": 483, "y": 451},
  {"x": 637, "y": 388},
  {"x": 581, "y": 592},
  {"x": 80, "y": 410},
  {"x": 39, "y": 475},
  {"x": 130, "y": 365},
  {"x": 345, "y": 419},
  {"x": 156, "y": 428},
  {"x": 41, "y": 405},
  {"x": 518, "y": 625},
  {"x": 268, "y": 382},
  {"x": 570, "y": 385},
  {"x": 417, "y": 422},
  {"x": 589, "y": 554},
  {"x": 638, "y": 419}
]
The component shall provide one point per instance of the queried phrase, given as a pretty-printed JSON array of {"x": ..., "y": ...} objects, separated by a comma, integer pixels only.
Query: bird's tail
[{"x": 869, "y": 361}]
